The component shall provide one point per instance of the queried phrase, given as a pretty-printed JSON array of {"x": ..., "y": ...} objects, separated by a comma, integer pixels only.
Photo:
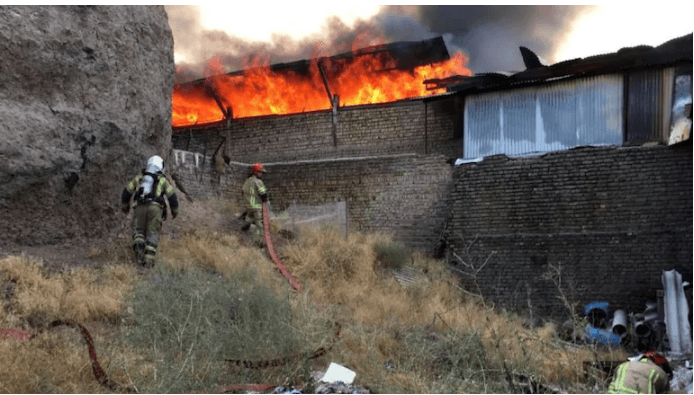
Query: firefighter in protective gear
[
  {"x": 255, "y": 193},
  {"x": 148, "y": 190},
  {"x": 645, "y": 374}
]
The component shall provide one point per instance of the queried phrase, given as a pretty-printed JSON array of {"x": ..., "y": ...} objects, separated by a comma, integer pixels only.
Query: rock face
[{"x": 85, "y": 99}]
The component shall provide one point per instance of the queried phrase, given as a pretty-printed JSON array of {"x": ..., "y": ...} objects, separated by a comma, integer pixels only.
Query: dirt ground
[
  {"x": 58, "y": 256},
  {"x": 79, "y": 252}
]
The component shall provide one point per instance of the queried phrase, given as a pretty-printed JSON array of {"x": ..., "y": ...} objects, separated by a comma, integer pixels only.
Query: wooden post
[{"x": 335, "y": 104}]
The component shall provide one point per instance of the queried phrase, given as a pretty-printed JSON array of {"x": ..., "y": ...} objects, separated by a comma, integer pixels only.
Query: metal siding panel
[
  {"x": 519, "y": 121},
  {"x": 558, "y": 111},
  {"x": 644, "y": 109},
  {"x": 482, "y": 125},
  {"x": 600, "y": 119},
  {"x": 558, "y": 116}
]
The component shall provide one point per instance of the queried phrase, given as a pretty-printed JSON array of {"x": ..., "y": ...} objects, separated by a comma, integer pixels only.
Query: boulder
[{"x": 85, "y": 99}]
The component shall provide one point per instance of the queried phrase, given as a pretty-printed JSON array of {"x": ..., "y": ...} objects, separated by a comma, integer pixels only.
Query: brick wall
[
  {"x": 405, "y": 127},
  {"x": 613, "y": 218},
  {"x": 197, "y": 176},
  {"x": 404, "y": 194}
]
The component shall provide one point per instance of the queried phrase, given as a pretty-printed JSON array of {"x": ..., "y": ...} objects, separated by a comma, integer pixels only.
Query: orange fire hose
[{"x": 271, "y": 250}]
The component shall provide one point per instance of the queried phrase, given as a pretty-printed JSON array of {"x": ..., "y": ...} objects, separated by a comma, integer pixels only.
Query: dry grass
[
  {"x": 343, "y": 271},
  {"x": 56, "y": 359},
  {"x": 429, "y": 336},
  {"x": 82, "y": 294}
]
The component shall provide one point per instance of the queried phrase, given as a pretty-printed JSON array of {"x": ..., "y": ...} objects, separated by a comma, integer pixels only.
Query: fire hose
[
  {"x": 99, "y": 373},
  {"x": 271, "y": 250},
  {"x": 103, "y": 379},
  {"x": 273, "y": 363}
]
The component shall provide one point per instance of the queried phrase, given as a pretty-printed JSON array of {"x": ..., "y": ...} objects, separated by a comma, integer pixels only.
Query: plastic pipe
[
  {"x": 642, "y": 329},
  {"x": 601, "y": 336},
  {"x": 596, "y": 314},
  {"x": 676, "y": 313},
  {"x": 619, "y": 323}
]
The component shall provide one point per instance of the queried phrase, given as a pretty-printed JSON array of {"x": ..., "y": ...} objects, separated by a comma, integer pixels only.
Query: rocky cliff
[{"x": 85, "y": 98}]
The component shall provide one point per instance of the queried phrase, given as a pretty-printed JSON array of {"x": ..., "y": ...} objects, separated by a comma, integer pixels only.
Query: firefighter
[
  {"x": 648, "y": 373},
  {"x": 148, "y": 190},
  {"x": 255, "y": 193}
]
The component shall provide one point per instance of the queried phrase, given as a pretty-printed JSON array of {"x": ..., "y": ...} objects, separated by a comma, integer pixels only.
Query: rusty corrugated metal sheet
[{"x": 556, "y": 116}]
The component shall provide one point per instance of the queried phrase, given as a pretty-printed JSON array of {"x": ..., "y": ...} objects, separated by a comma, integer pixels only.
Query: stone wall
[
  {"x": 406, "y": 195},
  {"x": 414, "y": 126},
  {"x": 611, "y": 218}
]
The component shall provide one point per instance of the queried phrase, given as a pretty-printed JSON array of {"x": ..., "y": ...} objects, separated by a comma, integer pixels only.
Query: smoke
[
  {"x": 209, "y": 52},
  {"x": 489, "y": 35}
]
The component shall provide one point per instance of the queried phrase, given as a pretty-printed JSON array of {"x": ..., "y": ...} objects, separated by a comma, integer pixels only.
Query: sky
[{"x": 238, "y": 35}]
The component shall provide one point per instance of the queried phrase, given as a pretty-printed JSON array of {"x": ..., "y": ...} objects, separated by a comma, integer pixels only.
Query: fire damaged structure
[{"x": 576, "y": 174}]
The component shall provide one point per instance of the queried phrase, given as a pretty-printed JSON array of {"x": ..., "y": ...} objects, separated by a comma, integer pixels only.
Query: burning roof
[
  {"x": 678, "y": 50},
  {"x": 377, "y": 74}
]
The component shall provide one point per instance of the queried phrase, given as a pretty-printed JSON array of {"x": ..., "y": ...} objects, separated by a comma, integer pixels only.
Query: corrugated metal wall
[
  {"x": 645, "y": 105},
  {"x": 557, "y": 116}
]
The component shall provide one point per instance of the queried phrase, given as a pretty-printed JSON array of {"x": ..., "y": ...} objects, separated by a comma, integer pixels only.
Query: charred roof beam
[{"x": 209, "y": 89}]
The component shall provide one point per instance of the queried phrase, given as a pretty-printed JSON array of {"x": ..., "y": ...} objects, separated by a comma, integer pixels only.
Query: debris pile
[{"x": 663, "y": 325}]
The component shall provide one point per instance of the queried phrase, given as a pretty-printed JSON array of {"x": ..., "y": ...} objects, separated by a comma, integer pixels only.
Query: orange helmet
[{"x": 257, "y": 168}]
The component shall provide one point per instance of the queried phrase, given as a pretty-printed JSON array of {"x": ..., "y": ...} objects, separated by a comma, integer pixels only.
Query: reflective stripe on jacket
[
  {"x": 162, "y": 188},
  {"x": 639, "y": 377},
  {"x": 253, "y": 188}
]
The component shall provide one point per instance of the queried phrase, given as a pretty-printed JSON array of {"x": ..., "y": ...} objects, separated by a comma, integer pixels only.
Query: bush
[{"x": 191, "y": 321}]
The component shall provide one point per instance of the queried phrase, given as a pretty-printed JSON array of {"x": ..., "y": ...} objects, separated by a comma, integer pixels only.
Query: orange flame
[
  {"x": 192, "y": 105},
  {"x": 363, "y": 79},
  {"x": 366, "y": 82},
  {"x": 262, "y": 91}
]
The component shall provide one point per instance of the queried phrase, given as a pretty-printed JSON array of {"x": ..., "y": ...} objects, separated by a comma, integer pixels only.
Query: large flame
[
  {"x": 262, "y": 91},
  {"x": 366, "y": 81},
  {"x": 363, "y": 79}
]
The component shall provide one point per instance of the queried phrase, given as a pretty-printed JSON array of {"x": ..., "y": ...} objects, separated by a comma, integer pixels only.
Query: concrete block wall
[
  {"x": 393, "y": 128},
  {"x": 612, "y": 218}
]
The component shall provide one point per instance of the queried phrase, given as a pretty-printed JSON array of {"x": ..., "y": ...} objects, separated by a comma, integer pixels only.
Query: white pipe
[
  {"x": 619, "y": 323},
  {"x": 676, "y": 313},
  {"x": 650, "y": 316}
]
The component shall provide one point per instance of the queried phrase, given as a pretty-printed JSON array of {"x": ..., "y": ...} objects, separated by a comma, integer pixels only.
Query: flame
[
  {"x": 363, "y": 79},
  {"x": 262, "y": 91},
  {"x": 193, "y": 105}
]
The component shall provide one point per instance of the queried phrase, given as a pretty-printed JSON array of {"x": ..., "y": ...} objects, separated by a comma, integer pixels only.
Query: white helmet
[{"x": 155, "y": 164}]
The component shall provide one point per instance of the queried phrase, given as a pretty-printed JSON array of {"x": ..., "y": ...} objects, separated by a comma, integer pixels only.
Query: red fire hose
[
  {"x": 99, "y": 373},
  {"x": 271, "y": 250}
]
